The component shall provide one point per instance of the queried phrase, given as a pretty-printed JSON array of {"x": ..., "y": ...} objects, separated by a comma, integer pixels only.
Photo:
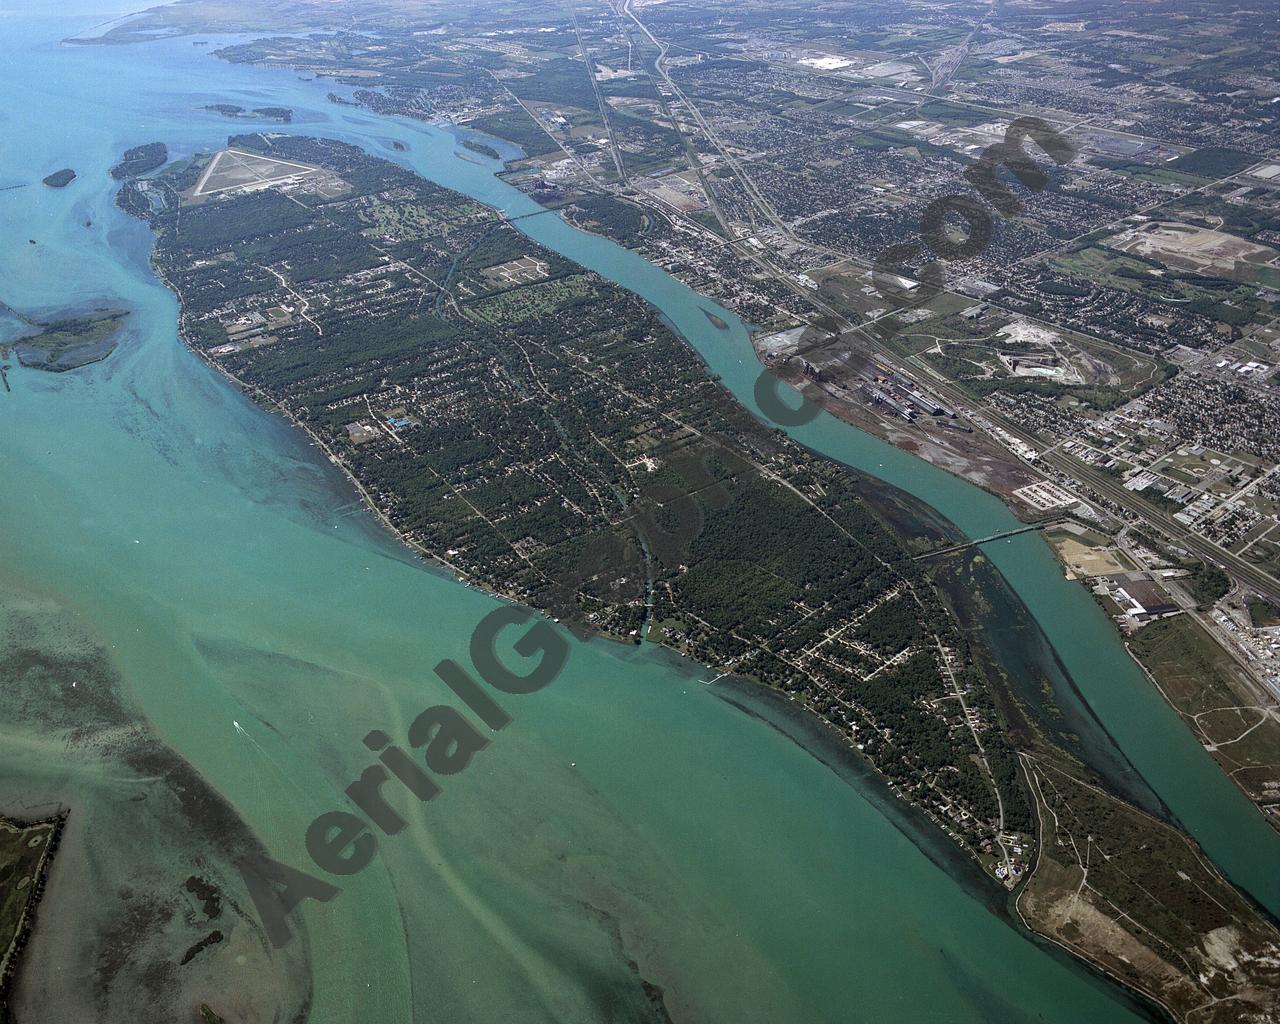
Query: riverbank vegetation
[
  {"x": 1212, "y": 694},
  {"x": 140, "y": 160},
  {"x": 614, "y": 218},
  {"x": 1207, "y": 584},
  {"x": 1135, "y": 896},
  {"x": 26, "y": 852}
]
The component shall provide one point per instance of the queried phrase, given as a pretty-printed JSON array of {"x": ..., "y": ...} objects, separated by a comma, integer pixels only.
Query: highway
[
  {"x": 1107, "y": 487},
  {"x": 1242, "y": 570},
  {"x": 1104, "y": 485},
  {"x": 589, "y": 62}
]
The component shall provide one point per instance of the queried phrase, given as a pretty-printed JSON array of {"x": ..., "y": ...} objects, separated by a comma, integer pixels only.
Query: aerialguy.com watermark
[
  {"x": 889, "y": 273},
  {"x": 342, "y": 843}
]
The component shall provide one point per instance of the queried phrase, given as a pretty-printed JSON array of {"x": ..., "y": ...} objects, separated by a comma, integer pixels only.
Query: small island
[
  {"x": 718, "y": 322},
  {"x": 282, "y": 114},
  {"x": 60, "y": 179},
  {"x": 140, "y": 160},
  {"x": 481, "y": 148},
  {"x": 73, "y": 342}
]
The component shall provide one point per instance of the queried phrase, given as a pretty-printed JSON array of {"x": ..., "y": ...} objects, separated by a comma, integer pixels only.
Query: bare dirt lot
[
  {"x": 1084, "y": 559},
  {"x": 1190, "y": 248}
]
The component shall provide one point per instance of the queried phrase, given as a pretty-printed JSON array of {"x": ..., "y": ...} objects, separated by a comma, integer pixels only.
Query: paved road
[
  {"x": 1243, "y": 570},
  {"x": 1110, "y": 488}
]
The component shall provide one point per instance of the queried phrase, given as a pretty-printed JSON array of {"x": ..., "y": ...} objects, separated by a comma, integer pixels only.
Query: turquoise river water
[{"x": 223, "y": 563}]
